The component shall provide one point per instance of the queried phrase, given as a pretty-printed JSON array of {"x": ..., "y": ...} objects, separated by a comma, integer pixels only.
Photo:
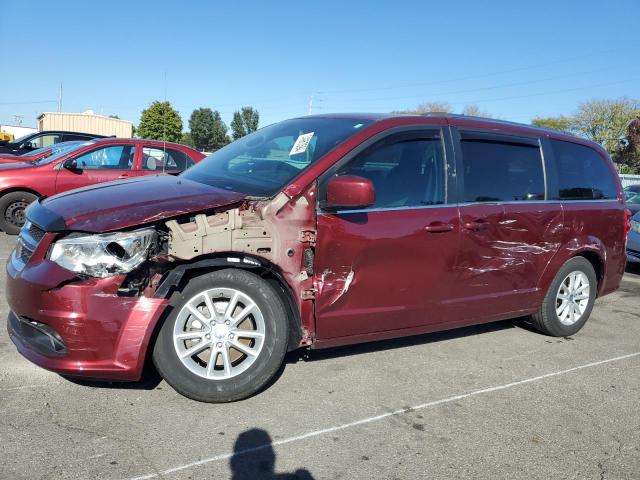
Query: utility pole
[
  {"x": 310, "y": 104},
  {"x": 60, "y": 98}
]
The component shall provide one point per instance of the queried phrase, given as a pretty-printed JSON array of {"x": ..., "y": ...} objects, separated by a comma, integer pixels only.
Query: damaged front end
[
  {"x": 275, "y": 238},
  {"x": 104, "y": 293}
]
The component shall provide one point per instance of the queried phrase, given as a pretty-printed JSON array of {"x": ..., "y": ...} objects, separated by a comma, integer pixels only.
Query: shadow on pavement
[
  {"x": 149, "y": 381},
  {"x": 254, "y": 458},
  {"x": 402, "y": 342}
]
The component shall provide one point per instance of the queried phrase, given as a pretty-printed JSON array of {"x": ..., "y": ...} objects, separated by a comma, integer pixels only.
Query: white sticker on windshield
[{"x": 301, "y": 144}]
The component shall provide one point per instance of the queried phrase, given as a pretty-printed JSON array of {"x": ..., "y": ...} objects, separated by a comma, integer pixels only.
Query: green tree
[
  {"x": 160, "y": 122},
  {"x": 219, "y": 137},
  {"x": 429, "y": 107},
  {"x": 201, "y": 125},
  {"x": 187, "y": 140},
  {"x": 562, "y": 123},
  {"x": 628, "y": 154},
  {"x": 244, "y": 122},
  {"x": 474, "y": 111},
  {"x": 606, "y": 121}
]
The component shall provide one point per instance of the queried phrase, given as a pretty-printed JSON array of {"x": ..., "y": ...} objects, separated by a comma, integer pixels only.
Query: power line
[
  {"x": 473, "y": 77},
  {"x": 469, "y": 90},
  {"x": 316, "y": 99},
  {"x": 552, "y": 92}
]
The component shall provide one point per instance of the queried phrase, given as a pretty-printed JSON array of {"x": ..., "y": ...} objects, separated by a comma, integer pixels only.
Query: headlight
[
  {"x": 635, "y": 226},
  {"x": 103, "y": 255}
]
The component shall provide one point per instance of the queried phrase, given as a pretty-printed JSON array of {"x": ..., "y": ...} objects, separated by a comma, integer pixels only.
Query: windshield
[
  {"x": 631, "y": 191},
  {"x": 21, "y": 139},
  {"x": 36, "y": 152},
  {"x": 52, "y": 148},
  {"x": 634, "y": 198},
  {"x": 262, "y": 163},
  {"x": 60, "y": 150}
]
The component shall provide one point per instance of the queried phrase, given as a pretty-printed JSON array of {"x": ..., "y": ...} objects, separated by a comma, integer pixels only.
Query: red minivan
[
  {"x": 69, "y": 165},
  {"x": 315, "y": 232}
]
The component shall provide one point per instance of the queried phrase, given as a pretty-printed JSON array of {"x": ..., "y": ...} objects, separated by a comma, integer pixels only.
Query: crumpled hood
[{"x": 122, "y": 204}]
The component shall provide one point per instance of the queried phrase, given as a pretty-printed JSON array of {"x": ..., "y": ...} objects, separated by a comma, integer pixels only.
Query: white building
[{"x": 17, "y": 130}]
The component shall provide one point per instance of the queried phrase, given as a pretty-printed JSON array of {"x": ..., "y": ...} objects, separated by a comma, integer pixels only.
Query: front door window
[
  {"x": 116, "y": 157},
  {"x": 406, "y": 173}
]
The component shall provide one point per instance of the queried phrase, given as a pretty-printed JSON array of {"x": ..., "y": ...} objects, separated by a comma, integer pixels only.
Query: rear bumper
[{"x": 79, "y": 327}]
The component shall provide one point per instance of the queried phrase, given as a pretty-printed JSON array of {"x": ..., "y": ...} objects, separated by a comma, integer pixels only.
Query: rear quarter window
[
  {"x": 582, "y": 173},
  {"x": 501, "y": 171}
]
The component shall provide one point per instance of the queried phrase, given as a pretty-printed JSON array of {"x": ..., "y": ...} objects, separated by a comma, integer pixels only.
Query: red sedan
[{"x": 82, "y": 164}]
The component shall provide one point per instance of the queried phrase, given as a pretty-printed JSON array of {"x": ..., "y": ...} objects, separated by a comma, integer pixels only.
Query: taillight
[{"x": 627, "y": 221}]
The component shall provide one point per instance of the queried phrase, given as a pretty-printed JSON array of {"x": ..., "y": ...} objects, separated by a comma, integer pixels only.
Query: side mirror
[
  {"x": 71, "y": 164},
  {"x": 27, "y": 146},
  {"x": 349, "y": 192}
]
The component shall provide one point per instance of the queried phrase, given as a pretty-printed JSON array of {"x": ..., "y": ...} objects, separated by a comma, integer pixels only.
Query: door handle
[
  {"x": 476, "y": 225},
  {"x": 438, "y": 227},
  {"x": 123, "y": 175}
]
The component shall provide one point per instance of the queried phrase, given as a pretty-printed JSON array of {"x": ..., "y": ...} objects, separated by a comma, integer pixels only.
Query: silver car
[{"x": 633, "y": 240}]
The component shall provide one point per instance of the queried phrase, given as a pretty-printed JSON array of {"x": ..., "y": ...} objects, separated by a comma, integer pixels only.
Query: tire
[
  {"x": 233, "y": 374},
  {"x": 12, "y": 206},
  {"x": 570, "y": 320}
]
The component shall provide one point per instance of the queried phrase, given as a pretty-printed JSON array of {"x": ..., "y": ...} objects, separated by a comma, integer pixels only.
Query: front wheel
[
  {"x": 225, "y": 338},
  {"x": 12, "y": 207},
  {"x": 569, "y": 301}
]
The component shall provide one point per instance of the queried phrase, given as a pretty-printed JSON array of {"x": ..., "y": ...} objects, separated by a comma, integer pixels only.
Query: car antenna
[{"x": 164, "y": 124}]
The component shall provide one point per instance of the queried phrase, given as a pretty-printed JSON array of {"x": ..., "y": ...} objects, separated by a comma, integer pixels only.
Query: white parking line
[{"x": 376, "y": 418}]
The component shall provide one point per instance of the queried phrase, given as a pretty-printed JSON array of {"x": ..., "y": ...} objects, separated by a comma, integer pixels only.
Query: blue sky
[{"x": 515, "y": 60}]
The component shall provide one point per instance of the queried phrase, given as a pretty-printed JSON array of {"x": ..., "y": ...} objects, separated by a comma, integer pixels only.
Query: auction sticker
[{"x": 301, "y": 144}]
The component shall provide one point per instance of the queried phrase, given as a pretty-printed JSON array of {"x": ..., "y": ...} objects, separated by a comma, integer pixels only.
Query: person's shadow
[{"x": 254, "y": 458}]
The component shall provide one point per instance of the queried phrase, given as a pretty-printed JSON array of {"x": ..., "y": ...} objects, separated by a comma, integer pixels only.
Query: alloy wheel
[
  {"x": 572, "y": 298},
  {"x": 219, "y": 333}
]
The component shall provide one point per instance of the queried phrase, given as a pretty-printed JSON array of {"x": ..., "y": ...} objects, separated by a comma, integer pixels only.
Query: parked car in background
[
  {"x": 632, "y": 198},
  {"x": 39, "y": 153},
  {"x": 316, "y": 232},
  {"x": 43, "y": 139},
  {"x": 82, "y": 164},
  {"x": 633, "y": 240}
]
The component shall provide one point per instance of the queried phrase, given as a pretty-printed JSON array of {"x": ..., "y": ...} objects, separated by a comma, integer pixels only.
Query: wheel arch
[
  {"x": 9, "y": 190},
  {"x": 591, "y": 248},
  {"x": 596, "y": 262},
  {"x": 176, "y": 278},
  {"x": 9, "y": 223}
]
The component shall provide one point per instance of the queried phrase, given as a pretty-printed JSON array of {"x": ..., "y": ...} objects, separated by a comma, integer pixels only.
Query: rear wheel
[
  {"x": 225, "y": 338},
  {"x": 12, "y": 208},
  {"x": 569, "y": 301}
]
